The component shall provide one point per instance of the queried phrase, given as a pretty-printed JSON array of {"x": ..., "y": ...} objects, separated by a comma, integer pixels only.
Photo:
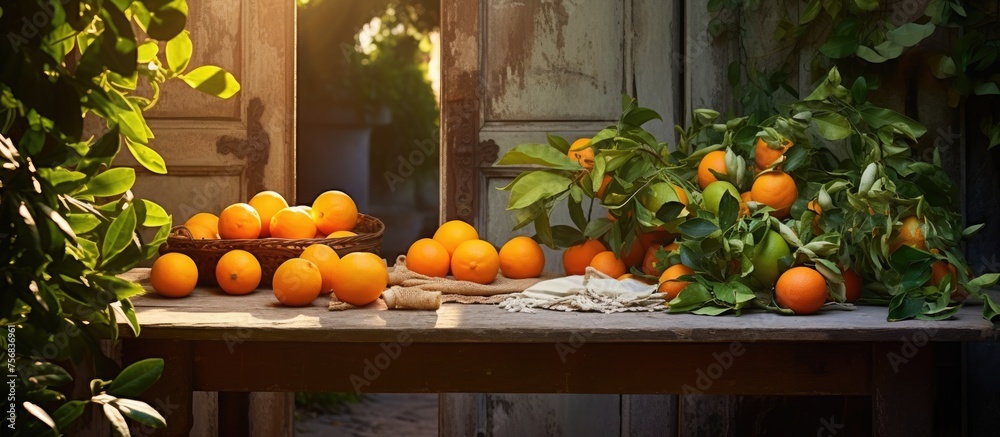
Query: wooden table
[{"x": 242, "y": 344}]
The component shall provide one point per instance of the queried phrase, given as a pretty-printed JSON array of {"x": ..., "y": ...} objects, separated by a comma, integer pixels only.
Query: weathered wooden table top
[{"x": 210, "y": 314}]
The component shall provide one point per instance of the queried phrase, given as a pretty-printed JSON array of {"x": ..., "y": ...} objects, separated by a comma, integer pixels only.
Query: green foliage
[
  {"x": 68, "y": 219},
  {"x": 850, "y": 157},
  {"x": 853, "y": 35}
]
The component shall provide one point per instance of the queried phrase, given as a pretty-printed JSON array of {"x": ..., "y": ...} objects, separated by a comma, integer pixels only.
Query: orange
[
  {"x": 938, "y": 271},
  {"x": 910, "y": 234},
  {"x": 813, "y": 206},
  {"x": 174, "y": 275},
  {"x": 199, "y": 232},
  {"x": 207, "y": 220},
  {"x": 604, "y": 186},
  {"x": 238, "y": 272},
  {"x": 801, "y": 289},
  {"x": 292, "y": 223},
  {"x": 326, "y": 260},
  {"x": 454, "y": 233},
  {"x": 745, "y": 197},
  {"x": 475, "y": 261},
  {"x": 521, "y": 257},
  {"x": 712, "y": 161},
  {"x": 239, "y": 221},
  {"x": 655, "y": 238},
  {"x": 649, "y": 261},
  {"x": 634, "y": 256},
  {"x": 342, "y": 234},
  {"x": 428, "y": 257},
  {"x": 577, "y": 258},
  {"x": 297, "y": 282},
  {"x": 777, "y": 190},
  {"x": 852, "y": 284},
  {"x": 267, "y": 203},
  {"x": 334, "y": 211},
  {"x": 669, "y": 285},
  {"x": 360, "y": 278},
  {"x": 764, "y": 155},
  {"x": 606, "y": 262},
  {"x": 581, "y": 152}
]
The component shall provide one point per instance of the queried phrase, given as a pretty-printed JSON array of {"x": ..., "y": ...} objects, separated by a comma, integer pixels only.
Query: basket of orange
[{"x": 273, "y": 232}]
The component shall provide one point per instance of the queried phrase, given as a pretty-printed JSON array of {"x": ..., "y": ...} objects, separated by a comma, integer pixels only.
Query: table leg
[
  {"x": 171, "y": 394},
  {"x": 902, "y": 389},
  {"x": 234, "y": 414}
]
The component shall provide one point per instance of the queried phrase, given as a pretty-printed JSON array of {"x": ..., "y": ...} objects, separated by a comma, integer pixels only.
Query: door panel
[
  {"x": 217, "y": 151},
  {"x": 512, "y": 72}
]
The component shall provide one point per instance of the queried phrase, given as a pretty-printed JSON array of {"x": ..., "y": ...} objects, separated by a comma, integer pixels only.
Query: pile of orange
[
  {"x": 457, "y": 248},
  {"x": 332, "y": 214},
  {"x": 357, "y": 278}
]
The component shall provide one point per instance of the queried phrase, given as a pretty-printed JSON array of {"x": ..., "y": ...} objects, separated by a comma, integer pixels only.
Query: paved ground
[{"x": 377, "y": 415}]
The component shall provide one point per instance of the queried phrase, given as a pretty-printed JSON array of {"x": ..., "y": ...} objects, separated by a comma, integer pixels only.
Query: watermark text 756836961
[{"x": 11, "y": 414}]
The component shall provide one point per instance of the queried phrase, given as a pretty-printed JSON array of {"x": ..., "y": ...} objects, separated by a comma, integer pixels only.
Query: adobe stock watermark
[
  {"x": 374, "y": 366},
  {"x": 31, "y": 27},
  {"x": 909, "y": 348},
  {"x": 705, "y": 378},
  {"x": 408, "y": 163},
  {"x": 576, "y": 341},
  {"x": 10, "y": 416},
  {"x": 828, "y": 427}
]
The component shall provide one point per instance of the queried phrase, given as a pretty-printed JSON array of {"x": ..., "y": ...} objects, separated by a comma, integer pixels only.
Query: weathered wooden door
[
  {"x": 511, "y": 72},
  {"x": 217, "y": 151},
  {"x": 220, "y": 152}
]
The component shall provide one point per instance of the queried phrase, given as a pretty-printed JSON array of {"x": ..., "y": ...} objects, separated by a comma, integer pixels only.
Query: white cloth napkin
[{"x": 592, "y": 291}]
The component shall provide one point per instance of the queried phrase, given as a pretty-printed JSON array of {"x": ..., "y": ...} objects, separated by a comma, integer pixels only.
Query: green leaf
[
  {"x": 39, "y": 413},
  {"x": 543, "y": 230},
  {"x": 831, "y": 126},
  {"x": 639, "y": 116},
  {"x": 67, "y": 413},
  {"x": 148, "y": 157},
  {"x": 129, "y": 312},
  {"x": 698, "y": 228},
  {"x": 165, "y": 18},
  {"x": 136, "y": 378},
  {"x": 878, "y": 117},
  {"x": 155, "y": 215},
  {"x": 991, "y": 311},
  {"x": 985, "y": 280},
  {"x": 539, "y": 154},
  {"x": 839, "y": 46},
  {"x": 859, "y": 91},
  {"x": 943, "y": 67},
  {"x": 50, "y": 374},
  {"x": 118, "y": 425},
  {"x": 711, "y": 310},
  {"x": 121, "y": 288},
  {"x": 598, "y": 228},
  {"x": 904, "y": 306},
  {"x": 866, "y": 5},
  {"x": 82, "y": 223},
  {"x": 147, "y": 51},
  {"x": 693, "y": 296},
  {"x": 729, "y": 210},
  {"x": 111, "y": 183},
  {"x": 179, "y": 50},
  {"x": 140, "y": 412},
  {"x": 869, "y": 55},
  {"x": 559, "y": 143},
  {"x": 120, "y": 234},
  {"x": 810, "y": 13},
  {"x": 969, "y": 231},
  {"x": 566, "y": 236},
  {"x": 909, "y": 34},
  {"x": 533, "y": 186},
  {"x": 212, "y": 80},
  {"x": 986, "y": 89}
]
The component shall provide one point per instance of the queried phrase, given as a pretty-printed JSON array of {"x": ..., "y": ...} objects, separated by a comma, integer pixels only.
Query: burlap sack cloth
[{"x": 411, "y": 290}]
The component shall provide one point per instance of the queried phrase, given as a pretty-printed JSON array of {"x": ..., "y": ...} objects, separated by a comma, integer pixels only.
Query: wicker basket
[{"x": 271, "y": 252}]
